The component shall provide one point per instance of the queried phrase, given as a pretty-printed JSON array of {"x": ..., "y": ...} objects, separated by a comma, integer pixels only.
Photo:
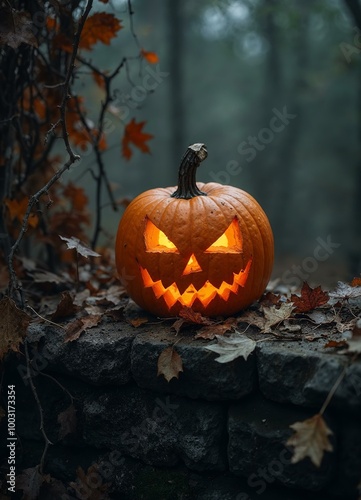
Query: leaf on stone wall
[
  {"x": 85, "y": 486},
  {"x": 79, "y": 325},
  {"x": 310, "y": 298},
  {"x": 67, "y": 421},
  {"x": 230, "y": 348},
  {"x": 30, "y": 481},
  {"x": 343, "y": 291},
  {"x": 354, "y": 343},
  {"x": 275, "y": 316},
  {"x": 169, "y": 364},
  {"x": 65, "y": 307},
  {"x": 13, "y": 326},
  {"x": 311, "y": 439},
  {"x": 210, "y": 332}
]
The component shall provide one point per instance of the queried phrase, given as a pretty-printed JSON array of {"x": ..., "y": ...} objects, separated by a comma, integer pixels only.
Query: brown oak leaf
[
  {"x": 310, "y": 298},
  {"x": 310, "y": 440},
  {"x": 13, "y": 326},
  {"x": 169, "y": 364}
]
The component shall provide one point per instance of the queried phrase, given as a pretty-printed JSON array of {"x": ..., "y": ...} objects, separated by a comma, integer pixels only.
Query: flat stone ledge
[
  {"x": 303, "y": 374},
  {"x": 202, "y": 377}
]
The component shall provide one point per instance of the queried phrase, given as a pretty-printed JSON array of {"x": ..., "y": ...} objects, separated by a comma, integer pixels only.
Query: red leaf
[
  {"x": 151, "y": 57},
  {"x": 133, "y": 134},
  {"x": 310, "y": 298},
  {"x": 100, "y": 27}
]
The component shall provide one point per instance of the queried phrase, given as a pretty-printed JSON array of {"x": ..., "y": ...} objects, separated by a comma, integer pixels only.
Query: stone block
[
  {"x": 202, "y": 376},
  {"x": 258, "y": 431}
]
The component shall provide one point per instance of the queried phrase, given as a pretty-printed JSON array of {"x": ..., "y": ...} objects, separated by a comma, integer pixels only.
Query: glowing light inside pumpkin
[
  {"x": 230, "y": 241},
  {"x": 156, "y": 240},
  {"x": 205, "y": 294},
  {"x": 192, "y": 266}
]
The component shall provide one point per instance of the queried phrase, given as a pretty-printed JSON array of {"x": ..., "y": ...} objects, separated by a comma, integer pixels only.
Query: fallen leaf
[
  {"x": 310, "y": 298},
  {"x": 169, "y": 364},
  {"x": 320, "y": 317},
  {"x": 310, "y": 440},
  {"x": 65, "y": 307},
  {"x": 230, "y": 348},
  {"x": 151, "y": 57},
  {"x": 78, "y": 326},
  {"x": 188, "y": 316},
  {"x": 343, "y": 291},
  {"x": 336, "y": 343},
  {"x": 209, "y": 332},
  {"x": 289, "y": 327},
  {"x": 30, "y": 481},
  {"x": 136, "y": 322},
  {"x": 47, "y": 277},
  {"x": 98, "y": 490},
  {"x": 275, "y": 315},
  {"x": 253, "y": 318},
  {"x": 270, "y": 299},
  {"x": 79, "y": 247},
  {"x": 354, "y": 343},
  {"x": 13, "y": 326},
  {"x": 67, "y": 420},
  {"x": 356, "y": 281},
  {"x": 133, "y": 134}
]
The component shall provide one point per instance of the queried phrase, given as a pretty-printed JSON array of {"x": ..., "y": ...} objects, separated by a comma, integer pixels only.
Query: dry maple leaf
[
  {"x": 13, "y": 326},
  {"x": 230, "y": 348},
  {"x": 274, "y": 315},
  {"x": 30, "y": 481},
  {"x": 209, "y": 332},
  {"x": 65, "y": 307},
  {"x": 133, "y": 134},
  {"x": 310, "y": 298},
  {"x": 354, "y": 343},
  {"x": 17, "y": 210},
  {"x": 79, "y": 247},
  {"x": 100, "y": 27},
  {"x": 67, "y": 420},
  {"x": 169, "y": 364},
  {"x": 310, "y": 439},
  {"x": 77, "y": 327},
  {"x": 98, "y": 491},
  {"x": 188, "y": 316},
  {"x": 343, "y": 291},
  {"x": 151, "y": 57}
]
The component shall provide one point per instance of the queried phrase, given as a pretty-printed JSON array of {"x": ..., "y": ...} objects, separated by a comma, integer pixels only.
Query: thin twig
[{"x": 40, "y": 408}]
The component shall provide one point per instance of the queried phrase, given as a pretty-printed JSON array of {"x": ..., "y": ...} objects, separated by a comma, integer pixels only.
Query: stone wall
[{"x": 218, "y": 432}]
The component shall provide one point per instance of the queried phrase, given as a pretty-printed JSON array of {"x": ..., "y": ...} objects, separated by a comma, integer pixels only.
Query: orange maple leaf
[
  {"x": 100, "y": 27},
  {"x": 133, "y": 134},
  {"x": 151, "y": 57},
  {"x": 310, "y": 298},
  {"x": 17, "y": 210}
]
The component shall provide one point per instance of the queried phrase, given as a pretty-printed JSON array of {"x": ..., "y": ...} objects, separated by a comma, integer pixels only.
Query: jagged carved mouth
[{"x": 205, "y": 294}]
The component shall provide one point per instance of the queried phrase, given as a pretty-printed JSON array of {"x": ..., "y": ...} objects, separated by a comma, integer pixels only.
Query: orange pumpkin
[{"x": 205, "y": 246}]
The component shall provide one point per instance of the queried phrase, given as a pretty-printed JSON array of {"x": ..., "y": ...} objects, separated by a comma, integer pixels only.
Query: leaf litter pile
[{"x": 332, "y": 318}]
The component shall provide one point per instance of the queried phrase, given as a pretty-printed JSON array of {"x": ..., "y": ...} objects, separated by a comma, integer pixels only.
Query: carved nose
[{"x": 192, "y": 266}]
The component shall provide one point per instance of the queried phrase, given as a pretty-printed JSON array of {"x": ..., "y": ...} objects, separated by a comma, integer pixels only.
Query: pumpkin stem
[{"x": 192, "y": 158}]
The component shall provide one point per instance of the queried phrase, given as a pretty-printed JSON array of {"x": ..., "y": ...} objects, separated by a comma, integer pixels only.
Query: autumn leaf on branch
[
  {"x": 133, "y": 134},
  {"x": 310, "y": 439},
  {"x": 310, "y": 298},
  {"x": 169, "y": 364},
  {"x": 13, "y": 326},
  {"x": 17, "y": 210},
  {"x": 151, "y": 57},
  {"x": 79, "y": 247}
]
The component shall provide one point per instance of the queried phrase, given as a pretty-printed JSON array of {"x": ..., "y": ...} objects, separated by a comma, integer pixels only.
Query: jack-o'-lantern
[{"x": 205, "y": 246}]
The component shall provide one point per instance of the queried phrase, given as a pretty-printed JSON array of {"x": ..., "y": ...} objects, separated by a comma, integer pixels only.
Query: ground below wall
[{"x": 218, "y": 432}]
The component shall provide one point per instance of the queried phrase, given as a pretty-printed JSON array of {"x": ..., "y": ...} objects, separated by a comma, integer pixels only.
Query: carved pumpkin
[{"x": 205, "y": 246}]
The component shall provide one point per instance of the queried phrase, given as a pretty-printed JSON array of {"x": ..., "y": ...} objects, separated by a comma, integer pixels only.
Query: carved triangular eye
[
  {"x": 156, "y": 240},
  {"x": 230, "y": 241}
]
